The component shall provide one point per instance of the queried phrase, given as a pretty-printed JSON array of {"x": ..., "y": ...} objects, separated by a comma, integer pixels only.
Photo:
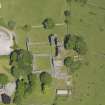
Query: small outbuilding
[{"x": 63, "y": 92}]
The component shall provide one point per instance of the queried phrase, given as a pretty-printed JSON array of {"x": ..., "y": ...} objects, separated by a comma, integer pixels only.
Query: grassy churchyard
[{"x": 87, "y": 21}]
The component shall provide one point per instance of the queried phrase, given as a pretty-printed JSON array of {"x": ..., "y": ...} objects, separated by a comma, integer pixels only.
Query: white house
[{"x": 6, "y": 41}]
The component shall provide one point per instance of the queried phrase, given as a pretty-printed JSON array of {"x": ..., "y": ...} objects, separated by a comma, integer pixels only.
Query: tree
[
  {"x": 27, "y": 27},
  {"x": 75, "y": 65},
  {"x": 15, "y": 46},
  {"x": 3, "y": 79},
  {"x": 21, "y": 61},
  {"x": 48, "y": 23},
  {"x": 80, "y": 46},
  {"x": 69, "y": 41},
  {"x": 11, "y": 24},
  {"x": 76, "y": 43},
  {"x": 45, "y": 79},
  {"x": 67, "y": 13},
  {"x": 32, "y": 82},
  {"x": 68, "y": 61},
  {"x": 71, "y": 64},
  {"x": 20, "y": 91}
]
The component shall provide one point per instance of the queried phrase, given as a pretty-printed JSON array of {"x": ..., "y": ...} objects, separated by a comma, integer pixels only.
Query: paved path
[
  {"x": 41, "y": 26},
  {"x": 60, "y": 24}
]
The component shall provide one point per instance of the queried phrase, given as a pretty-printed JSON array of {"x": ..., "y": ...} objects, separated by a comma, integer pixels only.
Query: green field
[
  {"x": 89, "y": 81},
  {"x": 43, "y": 63},
  {"x": 87, "y": 21},
  {"x": 40, "y": 49}
]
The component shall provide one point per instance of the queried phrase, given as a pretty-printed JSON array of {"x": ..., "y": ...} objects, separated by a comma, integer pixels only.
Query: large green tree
[
  {"x": 76, "y": 43},
  {"x": 32, "y": 82},
  {"x": 21, "y": 62},
  {"x": 45, "y": 79},
  {"x": 71, "y": 64},
  {"x": 68, "y": 61}
]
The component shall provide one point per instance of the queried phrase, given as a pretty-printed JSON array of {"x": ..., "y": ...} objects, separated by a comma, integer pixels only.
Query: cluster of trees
[
  {"x": 48, "y": 23},
  {"x": 76, "y": 43},
  {"x": 20, "y": 92},
  {"x": 24, "y": 88},
  {"x": 32, "y": 78},
  {"x": 21, "y": 69},
  {"x": 21, "y": 63},
  {"x": 71, "y": 64}
]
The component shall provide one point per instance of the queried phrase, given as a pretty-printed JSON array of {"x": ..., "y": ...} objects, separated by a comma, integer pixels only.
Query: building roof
[
  {"x": 63, "y": 92},
  {"x": 5, "y": 41}
]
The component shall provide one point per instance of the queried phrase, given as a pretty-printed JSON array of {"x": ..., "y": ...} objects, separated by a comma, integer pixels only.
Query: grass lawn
[
  {"x": 60, "y": 84},
  {"x": 33, "y": 12},
  {"x": 88, "y": 21},
  {"x": 89, "y": 81},
  {"x": 40, "y": 49},
  {"x": 43, "y": 63}
]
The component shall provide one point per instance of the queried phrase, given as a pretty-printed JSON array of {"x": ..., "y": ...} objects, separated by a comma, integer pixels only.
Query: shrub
[{"x": 48, "y": 23}]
